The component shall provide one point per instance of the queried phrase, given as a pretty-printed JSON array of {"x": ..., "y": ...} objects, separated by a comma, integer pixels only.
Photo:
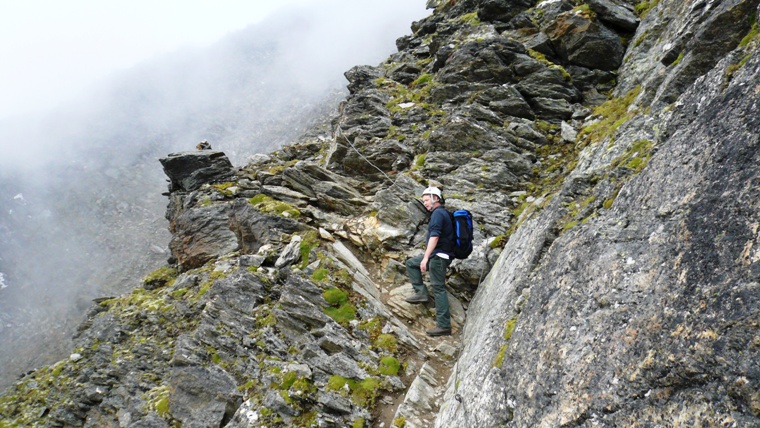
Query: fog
[{"x": 81, "y": 210}]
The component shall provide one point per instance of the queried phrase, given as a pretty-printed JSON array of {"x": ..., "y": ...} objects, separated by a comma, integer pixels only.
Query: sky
[{"x": 52, "y": 50}]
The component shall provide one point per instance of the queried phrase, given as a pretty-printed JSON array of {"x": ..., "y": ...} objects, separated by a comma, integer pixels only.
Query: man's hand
[{"x": 423, "y": 264}]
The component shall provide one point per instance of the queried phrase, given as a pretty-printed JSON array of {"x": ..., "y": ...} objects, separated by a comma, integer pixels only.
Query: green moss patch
[
  {"x": 160, "y": 277},
  {"x": 269, "y": 205},
  {"x": 614, "y": 113},
  {"x": 389, "y": 366},
  {"x": 343, "y": 314},
  {"x": 363, "y": 393},
  {"x": 387, "y": 342},
  {"x": 509, "y": 328},
  {"x": 335, "y": 296},
  {"x": 320, "y": 274}
]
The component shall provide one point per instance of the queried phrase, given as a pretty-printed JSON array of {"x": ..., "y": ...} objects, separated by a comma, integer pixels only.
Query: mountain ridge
[{"x": 614, "y": 278}]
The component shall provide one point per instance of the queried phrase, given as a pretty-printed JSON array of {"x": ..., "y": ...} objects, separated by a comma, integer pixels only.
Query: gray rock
[
  {"x": 587, "y": 43},
  {"x": 284, "y": 194},
  {"x": 290, "y": 254},
  {"x": 499, "y": 10},
  {"x": 188, "y": 171},
  {"x": 548, "y": 83},
  {"x": 620, "y": 296},
  {"x": 361, "y": 77},
  {"x": 200, "y": 234},
  {"x": 486, "y": 61},
  {"x": 419, "y": 399},
  {"x": 552, "y": 109},
  {"x": 404, "y": 73},
  {"x": 492, "y": 176},
  {"x": 398, "y": 206},
  {"x": 615, "y": 13},
  {"x": 329, "y": 189},
  {"x": 255, "y": 229},
  {"x": 334, "y": 403},
  {"x": 201, "y": 396},
  {"x": 568, "y": 133}
]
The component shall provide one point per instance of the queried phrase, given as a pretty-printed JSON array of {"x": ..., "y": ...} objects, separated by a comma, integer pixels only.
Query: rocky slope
[{"x": 608, "y": 153}]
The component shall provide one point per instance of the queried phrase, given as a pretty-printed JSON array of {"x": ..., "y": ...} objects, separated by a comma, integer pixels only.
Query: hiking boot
[
  {"x": 418, "y": 298},
  {"x": 439, "y": 331}
]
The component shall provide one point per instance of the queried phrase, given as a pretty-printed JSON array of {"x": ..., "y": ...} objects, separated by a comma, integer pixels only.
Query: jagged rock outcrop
[
  {"x": 188, "y": 171},
  {"x": 614, "y": 279}
]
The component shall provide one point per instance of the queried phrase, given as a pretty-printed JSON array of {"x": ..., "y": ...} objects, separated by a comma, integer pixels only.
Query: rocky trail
[
  {"x": 608, "y": 152},
  {"x": 428, "y": 362}
]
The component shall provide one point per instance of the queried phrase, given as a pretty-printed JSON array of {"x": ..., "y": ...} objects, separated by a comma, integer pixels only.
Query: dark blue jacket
[{"x": 440, "y": 226}]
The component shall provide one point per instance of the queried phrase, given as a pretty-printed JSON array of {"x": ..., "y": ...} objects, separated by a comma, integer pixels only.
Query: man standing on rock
[{"x": 437, "y": 258}]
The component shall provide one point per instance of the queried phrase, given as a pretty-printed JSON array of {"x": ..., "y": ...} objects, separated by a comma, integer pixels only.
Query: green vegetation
[
  {"x": 424, "y": 79},
  {"x": 498, "y": 242},
  {"x": 157, "y": 399},
  {"x": 161, "y": 277},
  {"x": 635, "y": 157},
  {"x": 614, "y": 113},
  {"x": 224, "y": 188},
  {"x": 678, "y": 60},
  {"x": 373, "y": 327},
  {"x": 508, "y": 330},
  {"x": 585, "y": 10},
  {"x": 267, "y": 204},
  {"x": 309, "y": 241},
  {"x": 470, "y": 18},
  {"x": 419, "y": 160},
  {"x": 389, "y": 366},
  {"x": 643, "y": 8},
  {"x": 387, "y": 342},
  {"x": 335, "y": 296},
  {"x": 320, "y": 274},
  {"x": 542, "y": 58},
  {"x": 753, "y": 32},
  {"x": 363, "y": 393},
  {"x": 359, "y": 423},
  {"x": 399, "y": 422},
  {"x": 340, "y": 309}
]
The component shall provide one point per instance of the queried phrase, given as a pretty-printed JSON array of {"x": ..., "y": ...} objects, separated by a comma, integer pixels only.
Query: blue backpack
[{"x": 461, "y": 220}]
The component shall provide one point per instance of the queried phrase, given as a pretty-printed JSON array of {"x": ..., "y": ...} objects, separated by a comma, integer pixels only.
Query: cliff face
[{"x": 609, "y": 154}]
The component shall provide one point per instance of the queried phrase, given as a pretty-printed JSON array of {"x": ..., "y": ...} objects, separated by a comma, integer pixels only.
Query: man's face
[{"x": 428, "y": 201}]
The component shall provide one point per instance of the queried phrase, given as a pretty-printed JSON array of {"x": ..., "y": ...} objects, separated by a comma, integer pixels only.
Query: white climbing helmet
[{"x": 433, "y": 191}]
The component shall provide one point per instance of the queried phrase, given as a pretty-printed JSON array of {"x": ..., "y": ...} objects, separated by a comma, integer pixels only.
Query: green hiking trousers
[{"x": 437, "y": 271}]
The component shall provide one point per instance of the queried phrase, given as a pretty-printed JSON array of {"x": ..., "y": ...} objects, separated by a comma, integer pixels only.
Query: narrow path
[{"x": 427, "y": 368}]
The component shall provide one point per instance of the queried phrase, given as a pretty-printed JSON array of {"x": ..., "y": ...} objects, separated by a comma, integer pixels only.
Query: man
[{"x": 437, "y": 258}]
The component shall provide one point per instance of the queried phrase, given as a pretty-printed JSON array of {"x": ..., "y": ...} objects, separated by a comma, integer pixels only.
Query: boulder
[
  {"x": 331, "y": 191},
  {"x": 404, "y": 73},
  {"x": 548, "y": 83},
  {"x": 483, "y": 175},
  {"x": 585, "y": 42},
  {"x": 615, "y": 13},
  {"x": 552, "y": 109},
  {"x": 200, "y": 234},
  {"x": 507, "y": 100},
  {"x": 188, "y": 171},
  {"x": 255, "y": 229},
  {"x": 399, "y": 211},
  {"x": 489, "y": 60},
  {"x": 202, "y": 396},
  {"x": 501, "y": 10},
  {"x": 361, "y": 77}
]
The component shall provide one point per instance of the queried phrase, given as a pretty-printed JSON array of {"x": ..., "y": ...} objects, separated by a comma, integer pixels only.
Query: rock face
[
  {"x": 187, "y": 171},
  {"x": 615, "y": 272}
]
